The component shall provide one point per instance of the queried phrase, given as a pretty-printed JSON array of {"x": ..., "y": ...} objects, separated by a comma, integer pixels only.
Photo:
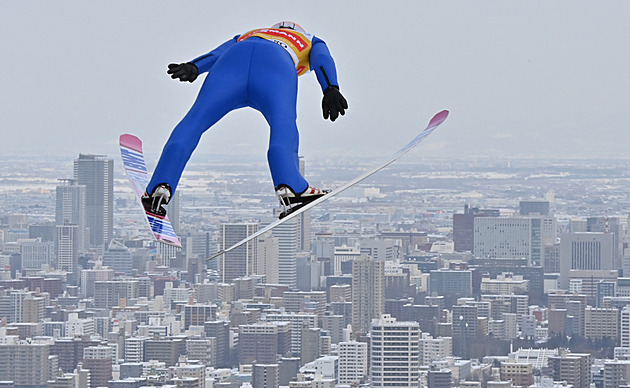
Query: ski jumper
[{"x": 258, "y": 69}]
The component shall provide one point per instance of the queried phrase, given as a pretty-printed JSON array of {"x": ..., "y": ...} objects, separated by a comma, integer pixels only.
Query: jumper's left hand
[{"x": 333, "y": 103}]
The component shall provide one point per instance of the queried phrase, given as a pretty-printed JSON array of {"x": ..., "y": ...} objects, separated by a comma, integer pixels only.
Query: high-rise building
[
  {"x": 463, "y": 227},
  {"x": 389, "y": 337},
  {"x": 574, "y": 368},
  {"x": 353, "y": 362},
  {"x": 68, "y": 241},
  {"x": 267, "y": 258},
  {"x": 118, "y": 258},
  {"x": 96, "y": 173},
  {"x": 287, "y": 235},
  {"x": 265, "y": 376},
  {"x": 589, "y": 251},
  {"x": 98, "y": 360},
  {"x": 514, "y": 237},
  {"x": 450, "y": 282},
  {"x": 71, "y": 209},
  {"x": 240, "y": 261},
  {"x": 616, "y": 373},
  {"x": 263, "y": 342},
  {"x": 36, "y": 253},
  {"x": 624, "y": 327},
  {"x": 221, "y": 331},
  {"x": 25, "y": 364},
  {"x": 600, "y": 323},
  {"x": 368, "y": 292},
  {"x": 198, "y": 314}
]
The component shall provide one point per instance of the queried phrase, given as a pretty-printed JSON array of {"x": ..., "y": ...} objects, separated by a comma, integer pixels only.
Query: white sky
[{"x": 521, "y": 78}]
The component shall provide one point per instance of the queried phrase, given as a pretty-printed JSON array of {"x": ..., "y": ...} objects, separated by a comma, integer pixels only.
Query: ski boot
[
  {"x": 292, "y": 201},
  {"x": 153, "y": 203}
]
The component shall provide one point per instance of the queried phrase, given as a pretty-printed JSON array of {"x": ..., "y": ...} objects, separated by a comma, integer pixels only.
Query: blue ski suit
[{"x": 258, "y": 72}]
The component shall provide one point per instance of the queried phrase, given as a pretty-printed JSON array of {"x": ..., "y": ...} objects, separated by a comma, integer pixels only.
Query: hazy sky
[{"x": 522, "y": 78}]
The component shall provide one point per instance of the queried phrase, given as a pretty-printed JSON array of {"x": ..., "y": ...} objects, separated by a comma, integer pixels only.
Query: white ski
[{"x": 434, "y": 123}]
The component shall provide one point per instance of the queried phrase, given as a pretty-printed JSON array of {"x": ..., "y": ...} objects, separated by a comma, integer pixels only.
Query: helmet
[{"x": 289, "y": 25}]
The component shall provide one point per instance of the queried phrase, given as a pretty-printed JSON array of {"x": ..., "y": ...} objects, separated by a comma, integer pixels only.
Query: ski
[
  {"x": 434, "y": 123},
  {"x": 133, "y": 159}
]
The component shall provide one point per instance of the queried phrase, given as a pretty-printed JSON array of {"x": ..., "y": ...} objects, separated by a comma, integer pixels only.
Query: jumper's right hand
[{"x": 184, "y": 71}]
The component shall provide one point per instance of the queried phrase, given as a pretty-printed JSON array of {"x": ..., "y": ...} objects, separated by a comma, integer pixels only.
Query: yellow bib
[{"x": 297, "y": 44}]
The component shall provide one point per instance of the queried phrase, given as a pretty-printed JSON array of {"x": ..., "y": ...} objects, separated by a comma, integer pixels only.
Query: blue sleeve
[
  {"x": 206, "y": 61},
  {"x": 322, "y": 63}
]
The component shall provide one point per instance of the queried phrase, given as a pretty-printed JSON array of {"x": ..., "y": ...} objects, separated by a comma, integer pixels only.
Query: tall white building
[
  {"x": 513, "y": 237},
  {"x": 624, "y": 329},
  {"x": 591, "y": 252},
  {"x": 394, "y": 353},
  {"x": 96, "y": 173},
  {"x": 435, "y": 349},
  {"x": 267, "y": 258},
  {"x": 353, "y": 362},
  {"x": 368, "y": 292},
  {"x": 287, "y": 235},
  {"x": 240, "y": 261},
  {"x": 71, "y": 209}
]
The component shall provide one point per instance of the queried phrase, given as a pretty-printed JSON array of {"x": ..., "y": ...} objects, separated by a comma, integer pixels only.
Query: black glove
[
  {"x": 184, "y": 71},
  {"x": 333, "y": 103}
]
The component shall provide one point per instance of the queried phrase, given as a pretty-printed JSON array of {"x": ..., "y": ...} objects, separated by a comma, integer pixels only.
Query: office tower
[
  {"x": 389, "y": 336},
  {"x": 89, "y": 277},
  {"x": 616, "y": 373},
  {"x": 310, "y": 302},
  {"x": 465, "y": 328},
  {"x": 24, "y": 364},
  {"x": 379, "y": 250},
  {"x": 454, "y": 283},
  {"x": 265, "y": 376},
  {"x": 342, "y": 259},
  {"x": 36, "y": 253},
  {"x": 267, "y": 258},
  {"x": 134, "y": 349},
  {"x": 221, "y": 331},
  {"x": 600, "y": 323},
  {"x": 353, "y": 362},
  {"x": 33, "y": 308},
  {"x": 118, "y": 258},
  {"x": 513, "y": 237},
  {"x": 96, "y": 173},
  {"x": 340, "y": 293},
  {"x": 199, "y": 314},
  {"x": 240, "y": 261},
  {"x": 304, "y": 221},
  {"x": 435, "y": 349},
  {"x": 368, "y": 292},
  {"x": 68, "y": 241},
  {"x": 591, "y": 252},
  {"x": 70, "y": 351},
  {"x": 107, "y": 294},
  {"x": 574, "y": 368},
  {"x": 613, "y": 226},
  {"x": 439, "y": 378},
  {"x": 520, "y": 374},
  {"x": 534, "y": 208},
  {"x": 98, "y": 360},
  {"x": 202, "y": 349},
  {"x": 166, "y": 350},
  {"x": 295, "y": 323},
  {"x": 287, "y": 235},
  {"x": 71, "y": 209},
  {"x": 262, "y": 343},
  {"x": 624, "y": 327},
  {"x": 463, "y": 227},
  {"x": 334, "y": 325}
]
